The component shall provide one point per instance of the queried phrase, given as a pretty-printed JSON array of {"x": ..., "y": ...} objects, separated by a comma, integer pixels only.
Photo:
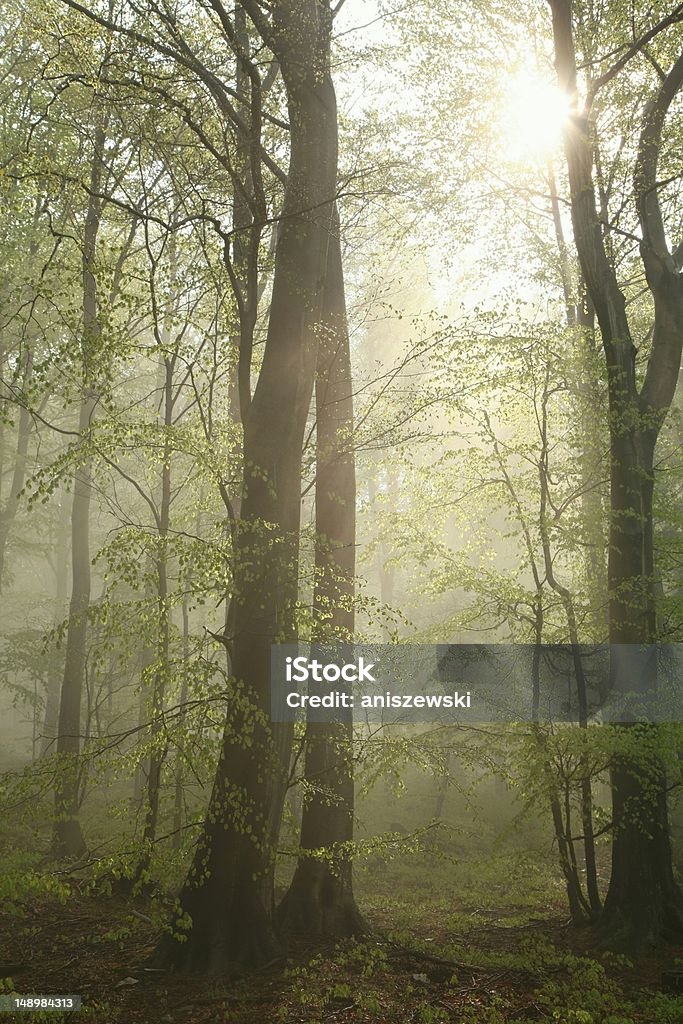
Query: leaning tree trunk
[
  {"x": 643, "y": 902},
  {"x": 320, "y": 900},
  {"x": 224, "y": 893},
  {"x": 67, "y": 838}
]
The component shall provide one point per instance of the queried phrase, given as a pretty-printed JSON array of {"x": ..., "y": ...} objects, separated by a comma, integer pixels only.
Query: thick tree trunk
[
  {"x": 320, "y": 900},
  {"x": 643, "y": 902},
  {"x": 224, "y": 893}
]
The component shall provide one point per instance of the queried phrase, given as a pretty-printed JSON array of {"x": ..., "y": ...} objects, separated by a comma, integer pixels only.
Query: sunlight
[{"x": 532, "y": 117}]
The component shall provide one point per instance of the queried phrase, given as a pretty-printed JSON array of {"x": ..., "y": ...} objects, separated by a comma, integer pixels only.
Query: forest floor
[{"x": 479, "y": 945}]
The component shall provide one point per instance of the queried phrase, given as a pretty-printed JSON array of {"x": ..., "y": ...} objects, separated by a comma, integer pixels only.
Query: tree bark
[
  {"x": 581, "y": 688},
  {"x": 224, "y": 894},
  {"x": 320, "y": 900},
  {"x": 158, "y": 742},
  {"x": 55, "y": 669},
  {"x": 24, "y": 426},
  {"x": 67, "y": 837},
  {"x": 643, "y": 902},
  {"x": 580, "y": 318},
  {"x": 179, "y": 795}
]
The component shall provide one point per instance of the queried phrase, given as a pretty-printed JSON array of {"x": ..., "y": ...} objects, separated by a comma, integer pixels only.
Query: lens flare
[{"x": 533, "y": 114}]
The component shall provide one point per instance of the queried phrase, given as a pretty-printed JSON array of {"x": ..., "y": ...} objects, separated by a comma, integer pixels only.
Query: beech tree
[
  {"x": 643, "y": 902},
  {"x": 68, "y": 838},
  {"x": 320, "y": 898},
  {"x": 235, "y": 856},
  {"x": 227, "y": 895},
  {"x": 186, "y": 353}
]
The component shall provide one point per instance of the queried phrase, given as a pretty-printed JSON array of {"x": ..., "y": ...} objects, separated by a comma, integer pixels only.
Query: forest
[{"x": 340, "y": 343}]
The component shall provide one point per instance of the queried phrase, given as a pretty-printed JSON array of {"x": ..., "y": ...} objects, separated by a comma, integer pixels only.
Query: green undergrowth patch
[
  {"x": 484, "y": 943},
  {"x": 506, "y": 889},
  {"x": 99, "y": 948},
  {"x": 24, "y": 879}
]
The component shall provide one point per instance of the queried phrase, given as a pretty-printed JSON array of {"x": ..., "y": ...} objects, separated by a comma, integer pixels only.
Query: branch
[
  {"x": 261, "y": 23},
  {"x": 645, "y": 176},
  {"x": 635, "y": 48}
]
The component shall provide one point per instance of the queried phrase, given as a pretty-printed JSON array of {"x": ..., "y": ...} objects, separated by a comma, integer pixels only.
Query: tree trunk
[
  {"x": 643, "y": 902},
  {"x": 146, "y": 660},
  {"x": 179, "y": 796},
  {"x": 578, "y": 906},
  {"x": 158, "y": 742},
  {"x": 320, "y": 900},
  {"x": 55, "y": 669},
  {"x": 386, "y": 573},
  {"x": 581, "y": 687},
  {"x": 580, "y": 317},
  {"x": 224, "y": 893},
  {"x": 9, "y": 511},
  {"x": 68, "y": 839}
]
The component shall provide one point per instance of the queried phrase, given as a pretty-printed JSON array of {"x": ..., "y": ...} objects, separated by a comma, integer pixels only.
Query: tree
[
  {"x": 68, "y": 837},
  {"x": 227, "y": 893},
  {"x": 643, "y": 902},
  {"x": 320, "y": 898}
]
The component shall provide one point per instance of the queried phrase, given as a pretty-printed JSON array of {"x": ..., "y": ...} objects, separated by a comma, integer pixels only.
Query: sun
[{"x": 532, "y": 117}]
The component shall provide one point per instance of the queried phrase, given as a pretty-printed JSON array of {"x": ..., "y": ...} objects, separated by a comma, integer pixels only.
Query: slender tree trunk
[
  {"x": 320, "y": 900},
  {"x": 9, "y": 511},
  {"x": 10, "y": 508},
  {"x": 386, "y": 573},
  {"x": 68, "y": 838},
  {"x": 146, "y": 660},
  {"x": 442, "y": 786},
  {"x": 54, "y": 675},
  {"x": 178, "y": 800},
  {"x": 158, "y": 743},
  {"x": 2, "y": 419},
  {"x": 245, "y": 243},
  {"x": 579, "y": 674},
  {"x": 224, "y": 892},
  {"x": 578, "y": 907}
]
